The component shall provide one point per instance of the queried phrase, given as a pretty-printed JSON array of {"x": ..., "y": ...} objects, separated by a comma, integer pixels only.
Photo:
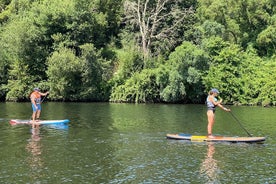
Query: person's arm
[
  {"x": 44, "y": 94},
  {"x": 218, "y": 103},
  {"x": 224, "y": 108}
]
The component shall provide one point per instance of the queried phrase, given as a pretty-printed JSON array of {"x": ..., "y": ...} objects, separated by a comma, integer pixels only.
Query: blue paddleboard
[{"x": 40, "y": 122}]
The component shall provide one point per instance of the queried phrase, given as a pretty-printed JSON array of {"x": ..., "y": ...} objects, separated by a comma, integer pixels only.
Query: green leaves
[
  {"x": 178, "y": 80},
  {"x": 186, "y": 65},
  {"x": 145, "y": 51},
  {"x": 243, "y": 20},
  {"x": 242, "y": 77},
  {"x": 64, "y": 71},
  {"x": 36, "y": 31},
  {"x": 141, "y": 87}
]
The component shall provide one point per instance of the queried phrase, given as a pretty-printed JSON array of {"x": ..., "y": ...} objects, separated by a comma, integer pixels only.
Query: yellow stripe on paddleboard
[{"x": 198, "y": 138}]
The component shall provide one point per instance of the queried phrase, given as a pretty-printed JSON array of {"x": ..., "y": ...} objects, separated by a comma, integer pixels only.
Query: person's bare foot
[{"x": 211, "y": 136}]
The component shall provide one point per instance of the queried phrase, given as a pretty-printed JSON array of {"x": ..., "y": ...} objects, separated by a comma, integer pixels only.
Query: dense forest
[{"x": 169, "y": 51}]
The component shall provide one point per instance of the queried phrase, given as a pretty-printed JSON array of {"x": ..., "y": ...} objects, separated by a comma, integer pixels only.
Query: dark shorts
[
  {"x": 38, "y": 107},
  {"x": 211, "y": 109}
]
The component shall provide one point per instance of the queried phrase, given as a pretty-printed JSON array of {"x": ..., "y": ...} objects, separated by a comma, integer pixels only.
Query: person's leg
[
  {"x": 33, "y": 116},
  {"x": 38, "y": 115},
  {"x": 38, "y": 111},
  {"x": 211, "y": 121}
]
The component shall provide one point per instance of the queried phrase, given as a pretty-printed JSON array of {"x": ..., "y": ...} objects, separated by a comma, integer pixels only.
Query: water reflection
[
  {"x": 209, "y": 167},
  {"x": 34, "y": 148}
]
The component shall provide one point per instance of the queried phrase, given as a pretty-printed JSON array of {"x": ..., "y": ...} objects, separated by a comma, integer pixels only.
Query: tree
[
  {"x": 64, "y": 75},
  {"x": 186, "y": 66},
  {"x": 37, "y": 29},
  {"x": 267, "y": 92},
  {"x": 95, "y": 74},
  {"x": 243, "y": 22},
  {"x": 225, "y": 73},
  {"x": 161, "y": 21},
  {"x": 20, "y": 83},
  {"x": 20, "y": 52},
  {"x": 140, "y": 88},
  {"x": 178, "y": 80},
  {"x": 266, "y": 40}
]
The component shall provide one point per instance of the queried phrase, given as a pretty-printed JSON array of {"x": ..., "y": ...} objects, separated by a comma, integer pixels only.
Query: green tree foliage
[
  {"x": 186, "y": 66},
  {"x": 37, "y": 29},
  {"x": 267, "y": 90},
  {"x": 138, "y": 50},
  {"x": 242, "y": 76},
  {"x": 20, "y": 52},
  {"x": 179, "y": 80},
  {"x": 235, "y": 35},
  {"x": 224, "y": 73},
  {"x": 266, "y": 40},
  {"x": 129, "y": 62},
  {"x": 9, "y": 8},
  {"x": 95, "y": 74},
  {"x": 19, "y": 82},
  {"x": 243, "y": 20},
  {"x": 129, "y": 59},
  {"x": 77, "y": 78},
  {"x": 64, "y": 73},
  {"x": 141, "y": 87}
]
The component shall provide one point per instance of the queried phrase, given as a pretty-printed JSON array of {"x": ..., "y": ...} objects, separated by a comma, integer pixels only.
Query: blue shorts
[{"x": 38, "y": 107}]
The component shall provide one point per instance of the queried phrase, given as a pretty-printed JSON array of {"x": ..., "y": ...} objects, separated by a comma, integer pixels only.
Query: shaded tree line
[{"x": 139, "y": 50}]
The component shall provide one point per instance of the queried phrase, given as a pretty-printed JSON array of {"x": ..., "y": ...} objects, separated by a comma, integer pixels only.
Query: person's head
[
  {"x": 214, "y": 91},
  {"x": 37, "y": 89}
]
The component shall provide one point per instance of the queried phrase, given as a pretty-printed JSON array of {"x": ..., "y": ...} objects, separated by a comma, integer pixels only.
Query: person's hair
[{"x": 210, "y": 92}]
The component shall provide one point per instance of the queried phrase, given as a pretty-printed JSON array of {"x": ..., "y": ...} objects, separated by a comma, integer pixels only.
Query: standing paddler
[
  {"x": 212, "y": 102},
  {"x": 36, "y": 104}
]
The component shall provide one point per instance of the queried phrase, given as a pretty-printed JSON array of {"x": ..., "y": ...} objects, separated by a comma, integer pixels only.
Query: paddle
[
  {"x": 43, "y": 98},
  {"x": 240, "y": 123}
]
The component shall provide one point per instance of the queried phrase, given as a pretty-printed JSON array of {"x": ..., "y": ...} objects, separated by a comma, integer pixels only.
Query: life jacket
[
  {"x": 36, "y": 96},
  {"x": 210, "y": 105}
]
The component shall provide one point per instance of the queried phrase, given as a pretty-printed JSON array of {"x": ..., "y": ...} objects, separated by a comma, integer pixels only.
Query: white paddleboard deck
[{"x": 40, "y": 122}]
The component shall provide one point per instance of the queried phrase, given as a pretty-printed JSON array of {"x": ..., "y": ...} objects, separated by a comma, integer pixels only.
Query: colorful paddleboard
[
  {"x": 189, "y": 137},
  {"x": 40, "y": 122}
]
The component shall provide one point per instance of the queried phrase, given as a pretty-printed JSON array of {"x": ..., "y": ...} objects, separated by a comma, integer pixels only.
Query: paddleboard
[
  {"x": 189, "y": 137},
  {"x": 40, "y": 122}
]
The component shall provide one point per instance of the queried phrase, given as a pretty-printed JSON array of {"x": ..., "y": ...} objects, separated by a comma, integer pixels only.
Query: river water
[{"x": 126, "y": 143}]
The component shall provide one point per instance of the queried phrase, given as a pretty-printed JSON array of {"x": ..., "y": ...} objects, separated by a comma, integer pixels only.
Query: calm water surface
[{"x": 125, "y": 143}]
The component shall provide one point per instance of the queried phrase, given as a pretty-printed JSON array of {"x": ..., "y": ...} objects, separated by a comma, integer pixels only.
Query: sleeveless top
[
  {"x": 210, "y": 105},
  {"x": 36, "y": 96}
]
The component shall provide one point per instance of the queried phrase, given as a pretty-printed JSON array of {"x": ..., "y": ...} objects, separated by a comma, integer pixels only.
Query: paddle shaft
[
  {"x": 240, "y": 123},
  {"x": 43, "y": 99}
]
